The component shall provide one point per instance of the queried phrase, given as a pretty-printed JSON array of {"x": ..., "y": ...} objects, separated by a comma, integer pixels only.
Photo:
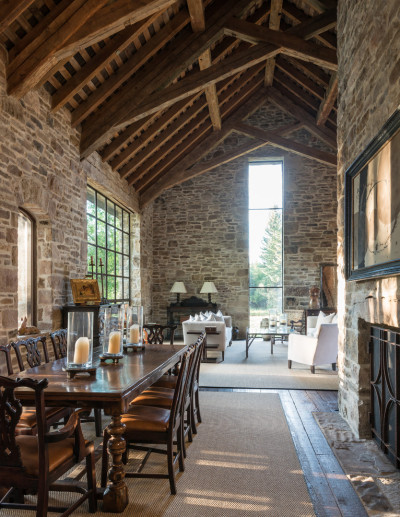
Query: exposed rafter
[{"x": 274, "y": 23}]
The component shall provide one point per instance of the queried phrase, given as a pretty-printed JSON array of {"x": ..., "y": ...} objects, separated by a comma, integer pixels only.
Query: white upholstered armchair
[
  {"x": 216, "y": 342},
  {"x": 313, "y": 351}
]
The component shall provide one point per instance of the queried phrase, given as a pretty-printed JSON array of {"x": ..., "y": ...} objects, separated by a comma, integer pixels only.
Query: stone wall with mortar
[
  {"x": 200, "y": 228},
  {"x": 41, "y": 171},
  {"x": 369, "y": 93}
]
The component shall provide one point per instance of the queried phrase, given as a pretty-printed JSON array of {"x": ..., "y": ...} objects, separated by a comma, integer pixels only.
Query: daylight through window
[
  {"x": 108, "y": 230},
  {"x": 265, "y": 239}
]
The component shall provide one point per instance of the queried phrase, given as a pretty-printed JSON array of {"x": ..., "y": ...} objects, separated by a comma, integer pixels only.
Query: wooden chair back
[
  {"x": 29, "y": 348},
  {"x": 177, "y": 407},
  {"x": 59, "y": 342},
  {"x": 6, "y": 354},
  {"x": 156, "y": 333}
]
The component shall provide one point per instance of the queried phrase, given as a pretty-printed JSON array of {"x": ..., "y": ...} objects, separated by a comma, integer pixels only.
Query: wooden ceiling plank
[
  {"x": 288, "y": 145},
  {"x": 95, "y": 65},
  {"x": 297, "y": 16},
  {"x": 182, "y": 121},
  {"x": 185, "y": 52},
  {"x": 326, "y": 135},
  {"x": 274, "y": 24},
  {"x": 111, "y": 19},
  {"x": 297, "y": 90},
  {"x": 303, "y": 79},
  {"x": 170, "y": 158},
  {"x": 10, "y": 10},
  {"x": 219, "y": 53},
  {"x": 29, "y": 73},
  {"x": 328, "y": 103},
  {"x": 321, "y": 5},
  {"x": 178, "y": 173},
  {"x": 290, "y": 44},
  {"x": 49, "y": 24},
  {"x": 241, "y": 150},
  {"x": 130, "y": 67},
  {"x": 315, "y": 73}
]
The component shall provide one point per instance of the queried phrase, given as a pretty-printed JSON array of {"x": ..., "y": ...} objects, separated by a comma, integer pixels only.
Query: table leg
[
  {"x": 247, "y": 345},
  {"x": 272, "y": 344},
  {"x": 115, "y": 498}
]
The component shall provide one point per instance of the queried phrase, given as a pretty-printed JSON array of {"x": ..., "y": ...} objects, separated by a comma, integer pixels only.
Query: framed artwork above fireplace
[{"x": 372, "y": 207}]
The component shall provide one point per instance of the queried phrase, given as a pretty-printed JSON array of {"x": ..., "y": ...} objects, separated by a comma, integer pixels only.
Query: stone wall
[
  {"x": 369, "y": 92},
  {"x": 200, "y": 228},
  {"x": 40, "y": 170}
]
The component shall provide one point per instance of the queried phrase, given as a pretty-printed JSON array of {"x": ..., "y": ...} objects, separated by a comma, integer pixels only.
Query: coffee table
[{"x": 252, "y": 334}]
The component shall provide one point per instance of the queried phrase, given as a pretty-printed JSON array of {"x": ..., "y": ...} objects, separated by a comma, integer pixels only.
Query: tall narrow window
[
  {"x": 265, "y": 239},
  {"x": 26, "y": 268},
  {"x": 108, "y": 230}
]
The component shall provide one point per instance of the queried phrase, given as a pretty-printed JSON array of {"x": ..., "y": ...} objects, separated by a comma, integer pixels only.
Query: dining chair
[
  {"x": 156, "y": 333},
  {"x": 27, "y": 423},
  {"x": 35, "y": 463},
  {"x": 28, "y": 354},
  {"x": 147, "y": 426},
  {"x": 59, "y": 342}
]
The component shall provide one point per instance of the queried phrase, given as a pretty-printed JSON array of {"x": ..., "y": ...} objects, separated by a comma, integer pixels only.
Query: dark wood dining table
[{"x": 112, "y": 389}]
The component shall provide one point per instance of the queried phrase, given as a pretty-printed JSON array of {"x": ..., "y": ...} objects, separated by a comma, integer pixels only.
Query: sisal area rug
[
  {"x": 242, "y": 463},
  {"x": 263, "y": 370}
]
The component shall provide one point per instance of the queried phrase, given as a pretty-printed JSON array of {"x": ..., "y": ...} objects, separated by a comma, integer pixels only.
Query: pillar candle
[
  {"x": 114, "y": 343},
  {"x": 134, "y": 334},
  {"x": 81, "y": 354}
]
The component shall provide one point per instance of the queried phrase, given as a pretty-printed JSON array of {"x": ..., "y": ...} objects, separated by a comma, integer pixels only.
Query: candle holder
[
  {"x": 272, "y": 320},
  {"x": 283, "y": 321},
  {"x": 134, "y": 328},
  {"x": 113, "y": 334},
  {"x": 80, "y": 344}
]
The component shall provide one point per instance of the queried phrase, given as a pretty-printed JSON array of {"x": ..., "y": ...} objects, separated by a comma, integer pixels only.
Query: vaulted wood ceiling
[{"x": 156, "y": 84}]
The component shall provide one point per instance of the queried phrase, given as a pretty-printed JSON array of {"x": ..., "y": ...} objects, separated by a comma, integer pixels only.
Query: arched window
[{"x": 26, "y": 268}]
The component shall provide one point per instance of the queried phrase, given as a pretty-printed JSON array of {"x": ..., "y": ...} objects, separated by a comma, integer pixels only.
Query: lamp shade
[
  {"x": 178, "y": 287},
  {"x": 208, "y": 287}
]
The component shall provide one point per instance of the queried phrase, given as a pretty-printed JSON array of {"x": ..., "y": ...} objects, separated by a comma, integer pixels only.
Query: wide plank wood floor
[{"x": 330, "y": 491}]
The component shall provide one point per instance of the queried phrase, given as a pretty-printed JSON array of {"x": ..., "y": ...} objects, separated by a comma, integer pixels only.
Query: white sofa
[
  {"x": 216, "y": 343},
  {"x": 317, "y": 350}
]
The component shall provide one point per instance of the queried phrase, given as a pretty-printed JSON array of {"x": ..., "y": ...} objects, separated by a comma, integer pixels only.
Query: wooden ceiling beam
[
  {"x": 149, "y": 152},
  {"x": 130, "y": 67},
  {"x": 118, "y": 44},
  {"x": 321, "y": 5},
  {"x": 10, "y": 10},
  {"x": 287, "y": 43},
  {"x": 294, "y": 73},
  {"x": 326, "y": 135},
  {"x": 328, "y": 103},
  {"x": 178, "y": 172},
  {"x": 188, "y": 143},
  {"x": 198, "y": 23},
  {"x": 24, "y": 74},
  {"x": 219, "y": 53},
  {"x": 297, "y": 16},
  {"x": 274, "y": 24},
  {"x": 314, "y": 72},
  {"x": 236, "y": 62},
  {"x": 111, "y": 19},
  {"x": 239, "y": 151},
  {"x": 185, "y": 52},
  {"x": 288, "y": 145},
  {"x": 292, "y": 86}
]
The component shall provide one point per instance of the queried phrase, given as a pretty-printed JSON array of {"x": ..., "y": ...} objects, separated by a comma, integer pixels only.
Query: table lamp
[
  {"x": 208, "y": 288},
  {"x": 178, "y": 288}
]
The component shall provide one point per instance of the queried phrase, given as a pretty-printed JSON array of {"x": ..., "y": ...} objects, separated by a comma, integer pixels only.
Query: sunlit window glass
[
  {"x": 25, "y": 268},
  {"x": 265, "y": 239},
  {"x": 108, "y": 231}
]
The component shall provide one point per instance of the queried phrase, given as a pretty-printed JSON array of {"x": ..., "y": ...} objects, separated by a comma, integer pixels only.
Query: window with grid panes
[{"x": 108, "y": 231}]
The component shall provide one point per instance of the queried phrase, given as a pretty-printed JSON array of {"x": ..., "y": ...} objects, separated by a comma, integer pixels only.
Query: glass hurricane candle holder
[
  {"x": 283, "y": 320},
  {"x": 272, "y": 320},
  {"x": 134, "y": 328},
  {"x": 113, "y": 332},
  {"x": 80, "y": 340}
]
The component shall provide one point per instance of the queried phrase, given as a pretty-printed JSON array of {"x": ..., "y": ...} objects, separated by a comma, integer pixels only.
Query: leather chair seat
[
  {"x": 166, "y": 381},
  {"x": 58, "y": 453},
  {"x": 142, "y": 421},
  {"x": 155, "y": 396},
  {"x": 28, "y": 418}
]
